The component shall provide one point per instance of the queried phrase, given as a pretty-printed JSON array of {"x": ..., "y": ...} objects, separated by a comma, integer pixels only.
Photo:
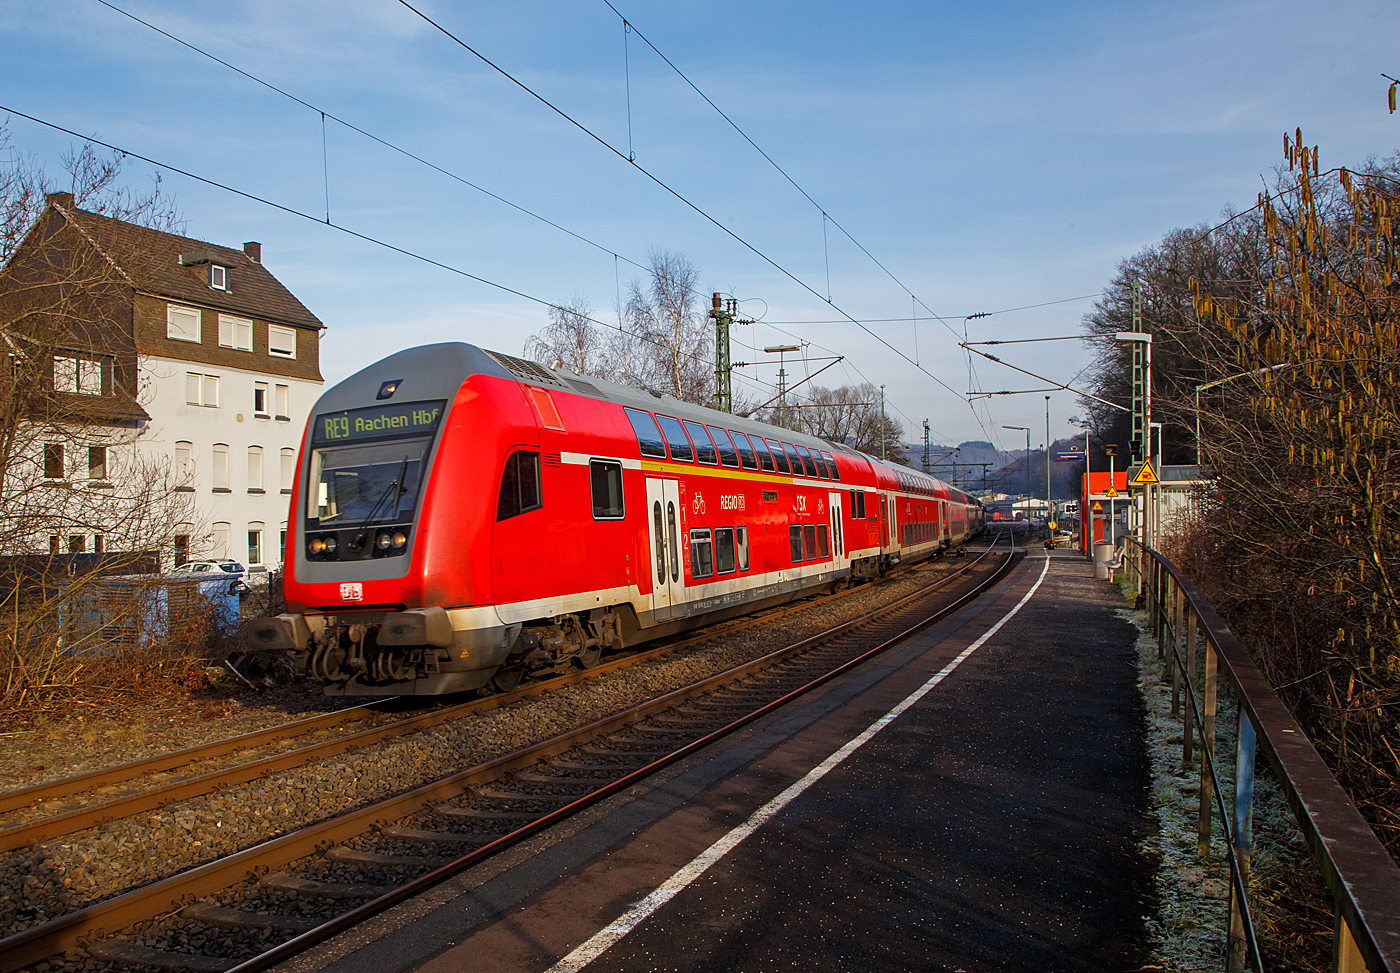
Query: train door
[
  {"x": 664, "y": 536},
  {"x": 884, "y": 521},
  {"x": 835, "y": 502}
]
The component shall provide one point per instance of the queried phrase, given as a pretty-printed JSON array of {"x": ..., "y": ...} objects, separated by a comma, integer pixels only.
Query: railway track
[
  {"x": 384, "y": 852},
  {"x": 29, "y": 815}
]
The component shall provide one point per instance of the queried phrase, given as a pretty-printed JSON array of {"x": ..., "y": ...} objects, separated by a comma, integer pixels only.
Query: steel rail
[
  {"x": 1361, "y": 875},
  {"x": 56, "y": 825},
  {"x": 160, "y": 897}
]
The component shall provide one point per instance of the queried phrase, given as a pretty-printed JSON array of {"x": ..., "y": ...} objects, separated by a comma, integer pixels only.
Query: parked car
[{"x": 210, "y": 568}]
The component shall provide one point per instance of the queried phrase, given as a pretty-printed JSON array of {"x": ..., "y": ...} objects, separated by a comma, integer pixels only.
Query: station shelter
[{"x": 1100, "y": 501}]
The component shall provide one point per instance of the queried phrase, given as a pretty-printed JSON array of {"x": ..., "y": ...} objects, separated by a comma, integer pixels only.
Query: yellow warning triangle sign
[{"x": 1147, "y": 474}]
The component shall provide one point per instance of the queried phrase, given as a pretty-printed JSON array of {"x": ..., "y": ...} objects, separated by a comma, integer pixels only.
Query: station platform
[{"x": 972, "y": 800}]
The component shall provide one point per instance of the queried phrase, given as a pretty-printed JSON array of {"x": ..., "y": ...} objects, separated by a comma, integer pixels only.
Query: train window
[
  {"x": 741, "y": 547},
  {"x": 795, "y": 542},
  {"x": 823, "y": 544},
  {"x": 795, "y": 459},
  {"x": 702, "y": 553},
  {"x": 831, "y": 465},
  {"x": 765, "y": 458},
  {"x": 813, "y": 471},
  {"x": 809, "y": 541},
  {"x": 520, "y": 485},
  {"x": 857, "y": 504},
  {"x": 821, "y": 464},
  {"x": 724, "y": 550},
  {"x": 728, "y": 455},
  {"x": 605, "y": 478},
  {"x": 648, "y": 436},
  {"x": 675, "y": 438},
  {"x": 779, "y": 457},
  {"x": 705, "y": 451},
  {"x": 660, "y": 543},
  {"x": 745, "y": 450}
]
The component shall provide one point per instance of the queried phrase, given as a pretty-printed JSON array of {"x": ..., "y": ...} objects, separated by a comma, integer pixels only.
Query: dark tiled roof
[{"x": 151, "y": 260}]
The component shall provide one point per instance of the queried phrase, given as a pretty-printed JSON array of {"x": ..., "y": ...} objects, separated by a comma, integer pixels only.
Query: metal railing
[{"x": 1360, "y": 874}]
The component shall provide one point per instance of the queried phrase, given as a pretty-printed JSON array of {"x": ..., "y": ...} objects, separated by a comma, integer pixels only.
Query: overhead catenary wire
[{"x": 680, "y": 197}]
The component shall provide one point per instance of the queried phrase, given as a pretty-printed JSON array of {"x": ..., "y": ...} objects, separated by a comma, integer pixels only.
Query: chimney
[
  {"x": 60, "y": 199},
  {"x": 254, "y": 251}
]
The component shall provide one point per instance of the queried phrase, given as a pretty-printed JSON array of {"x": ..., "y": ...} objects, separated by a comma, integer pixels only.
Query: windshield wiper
[{"x": 395, "y": 487}]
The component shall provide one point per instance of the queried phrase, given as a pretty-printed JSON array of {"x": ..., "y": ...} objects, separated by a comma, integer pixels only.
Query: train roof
[{"x": 458, "y": 356}]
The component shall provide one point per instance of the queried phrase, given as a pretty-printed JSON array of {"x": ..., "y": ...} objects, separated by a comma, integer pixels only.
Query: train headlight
[
  {"x": 330, "y": 544},
  {"x": 316, "y": 545},
  {"x": 383, "y": 542},
  {"x": 400, "y": 538}
]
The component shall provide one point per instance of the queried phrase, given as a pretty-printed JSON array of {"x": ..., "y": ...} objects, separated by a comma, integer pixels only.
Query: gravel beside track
[{"x": 62, "y": 875}]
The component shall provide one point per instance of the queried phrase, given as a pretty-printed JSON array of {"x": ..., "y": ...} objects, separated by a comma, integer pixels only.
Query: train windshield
[{"x": 366, "y": 484}]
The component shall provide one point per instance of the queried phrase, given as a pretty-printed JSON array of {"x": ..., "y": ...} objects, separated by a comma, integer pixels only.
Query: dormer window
[{"x": 218, "y": 277}]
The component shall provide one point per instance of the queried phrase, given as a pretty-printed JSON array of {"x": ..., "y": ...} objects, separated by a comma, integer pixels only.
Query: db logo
[
  {"x": 352, "y": 591},
  {"x": 697, "y": 504}
]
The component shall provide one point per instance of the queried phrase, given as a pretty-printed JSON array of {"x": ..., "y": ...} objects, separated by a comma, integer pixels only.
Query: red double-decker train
[{"x": 461, "y": 518}]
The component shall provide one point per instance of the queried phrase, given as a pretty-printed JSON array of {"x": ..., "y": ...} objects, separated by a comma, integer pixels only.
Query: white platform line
[{"x": 688, "y": 873}]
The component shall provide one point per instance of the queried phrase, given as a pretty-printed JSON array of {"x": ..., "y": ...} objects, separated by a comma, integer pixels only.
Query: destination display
[{"x": 407, "y": 419}]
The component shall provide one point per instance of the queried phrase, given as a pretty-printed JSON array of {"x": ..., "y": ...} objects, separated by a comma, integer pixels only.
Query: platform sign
[
  {"x": 1070, "y": 457},
  {"x": 1146, "y": 476}
]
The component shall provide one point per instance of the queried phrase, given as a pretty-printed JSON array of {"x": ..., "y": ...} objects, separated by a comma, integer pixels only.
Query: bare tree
[
  {"x": 76, "y": 498},
  {"x": 672, "y": 335},
  {"x": 849, "y": 414},
  {"x": 572, "y": 340}
]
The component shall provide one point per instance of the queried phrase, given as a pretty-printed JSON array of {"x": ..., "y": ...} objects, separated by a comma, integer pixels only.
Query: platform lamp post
[
  {"x": 780, "y": 351},
  {"x": 1112, "y": 451},
  {"x": 1027, "y": 431},
  {"x": 1049, "y": 504}
]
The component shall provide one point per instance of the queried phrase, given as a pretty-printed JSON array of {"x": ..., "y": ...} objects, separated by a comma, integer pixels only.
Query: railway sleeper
[
  {"x": 282, "y": 882},
  {"x": 477, "y": 814},
  {"x": 533, "y": 778},
  {"x": 501, "y": 794},
  {"x": 345, "y": 855},
  {"x": 424, "y": 836},
  {"x": 222, "y": 916},
  {"x": 130, "y": 954}
]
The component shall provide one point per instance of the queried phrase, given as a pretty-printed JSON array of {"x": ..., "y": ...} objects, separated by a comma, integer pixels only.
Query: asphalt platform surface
[{"x": 992, "y": 825}]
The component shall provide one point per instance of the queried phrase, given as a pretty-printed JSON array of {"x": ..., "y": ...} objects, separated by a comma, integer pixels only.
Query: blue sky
[{"x": 990, "y": 156}]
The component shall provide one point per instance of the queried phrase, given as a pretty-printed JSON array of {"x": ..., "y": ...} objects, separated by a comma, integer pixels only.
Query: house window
[
  {"x": 255, "y": 469},
  {"x": 77, "y": 544},
  {"x": 53, "y": 461},
  {"x": 218, "y": 277},
  {"x": 255, "y": 534},
  {"x": 182, "y": 549},
  {"x": 80, "y": 376},
  {"x": 202, "y": 389},
  {"x": 53, "y": 545},
  {"x": 282, "y": 545},
  {"x": 289, "y": 468},
  {"x": 97, "y": 462},
  {"x": 283, "y": 401},
  {"x": 520, "y": 485},
  {"x": 235, "y": 332},
  {"x": 219, "y": 538},
  {"x": 281, "y": 342},
  {"x": 182, "y": 323},
  {"x": 606, "y": 481},
  {"x": 221, "y": 468},
  {"x": 260, "y": 399},
  {"x": 184, "y": 465},
  {"x": 702, "y": 553}
]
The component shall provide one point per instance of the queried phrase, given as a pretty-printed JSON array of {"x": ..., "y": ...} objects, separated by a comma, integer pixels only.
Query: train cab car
[{"x": 462, "y": 517}]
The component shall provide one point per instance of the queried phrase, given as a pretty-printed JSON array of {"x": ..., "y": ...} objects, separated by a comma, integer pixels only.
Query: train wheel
[
  {"x": 507, "y": 679},
  {"x": 589, "y": 657}
]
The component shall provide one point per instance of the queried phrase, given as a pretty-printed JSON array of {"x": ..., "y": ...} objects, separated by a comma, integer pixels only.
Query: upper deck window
[
  {"x": 675, "y": 438},
  {"x": 745, "y": 450},
  {"x": 728, "y": 455},
  {"x": 649, "y": 439},
  {"x": 795, "y": 460},
  {"x": 813, "y": 471},
  {"x": 765, "y": 458},
  {"x": 831, "y": 466},
  {"x": 705, "y": 450},
  {"x": 780, "y": 459}
]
